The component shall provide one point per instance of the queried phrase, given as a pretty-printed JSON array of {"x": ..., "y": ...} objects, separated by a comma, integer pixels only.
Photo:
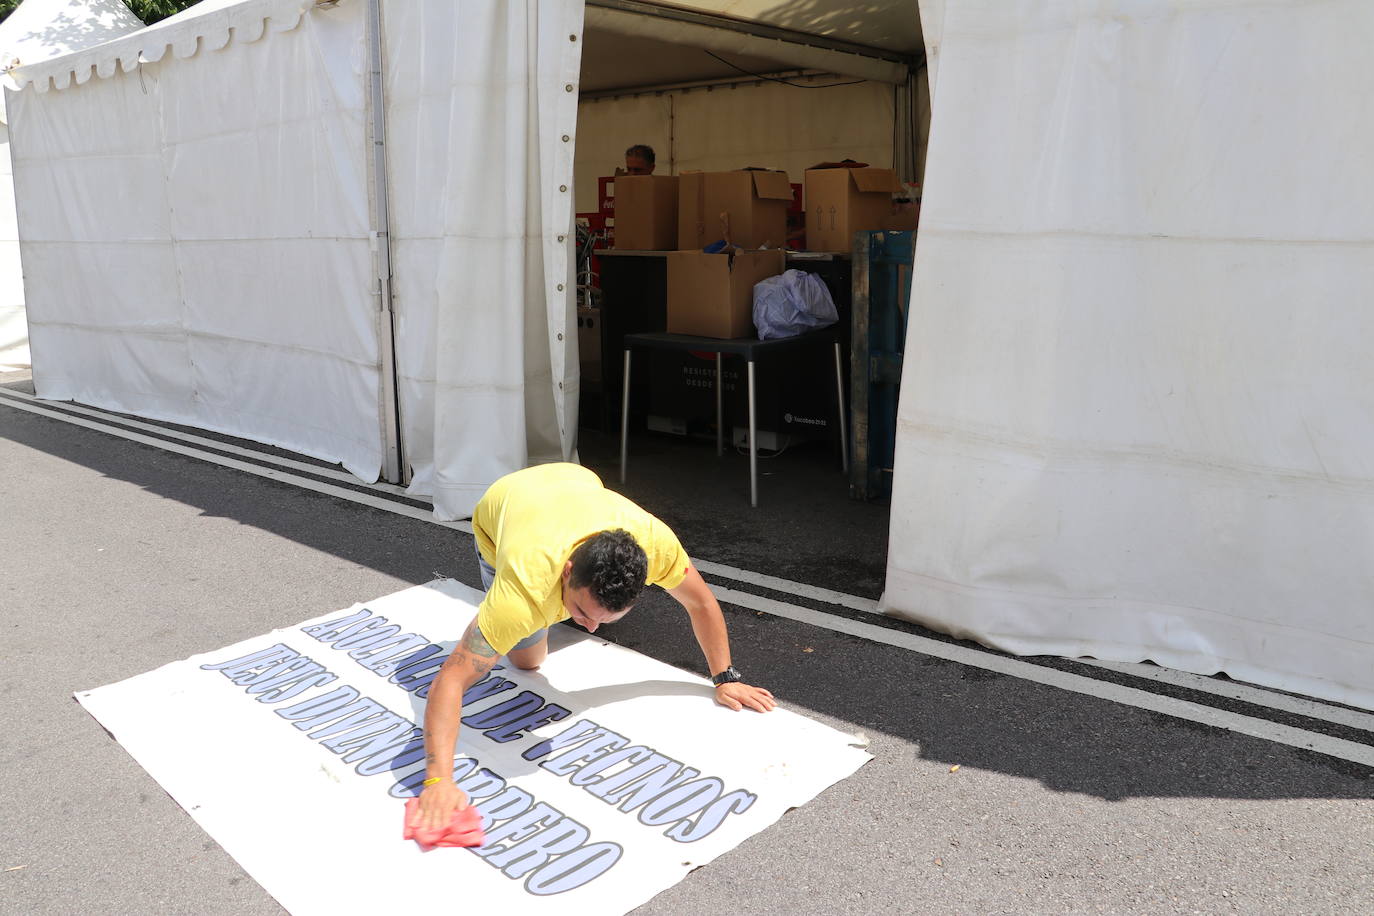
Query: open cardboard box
[
  {"x": 712, "y": 295},
  {"x": 754, "y": 202},
  {"x": 840, "y": 202}
]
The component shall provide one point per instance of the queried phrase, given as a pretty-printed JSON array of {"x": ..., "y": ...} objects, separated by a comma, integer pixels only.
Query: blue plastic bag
[{"x": 792, "y": 303}]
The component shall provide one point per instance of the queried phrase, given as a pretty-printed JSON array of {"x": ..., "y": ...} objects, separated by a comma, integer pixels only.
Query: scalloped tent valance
[{"x": 208, "y": 26}]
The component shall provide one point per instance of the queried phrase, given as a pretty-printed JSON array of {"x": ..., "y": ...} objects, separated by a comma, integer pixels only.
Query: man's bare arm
[
  {"x": 708, "y": 625},
  {"x": 469, "y": 662}
]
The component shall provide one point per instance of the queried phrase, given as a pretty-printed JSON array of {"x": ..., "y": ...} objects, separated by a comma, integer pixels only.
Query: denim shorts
[{"x": 488, "y": 577}]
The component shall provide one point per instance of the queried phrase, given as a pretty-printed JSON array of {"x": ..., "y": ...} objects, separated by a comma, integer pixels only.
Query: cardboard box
[
  {"x": 712, "y": 295},
  {"x": 905, "y": 218},
  {"x": 756, "y": 203},
  {"x": 646, "y": 212},
  {"x": 840, "y": 202}
]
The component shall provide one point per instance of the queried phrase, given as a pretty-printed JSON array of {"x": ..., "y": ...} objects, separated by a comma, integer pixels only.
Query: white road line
[
  {"x": 1130, "y": 696},
  {"x": 1077, "y": 683},
  {"x": 162, "y": 432},
  {"x": 800, "y": 589},
  {"x": 1243, "y": 692},
  {"x": 366, "y": 499}
]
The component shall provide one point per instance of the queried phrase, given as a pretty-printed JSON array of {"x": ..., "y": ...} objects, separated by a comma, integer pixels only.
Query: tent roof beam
[{"x": 759, "y": 30}]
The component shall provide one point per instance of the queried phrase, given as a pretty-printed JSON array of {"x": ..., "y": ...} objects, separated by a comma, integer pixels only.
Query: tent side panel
[
  {"x": 14, "y": 329},
  {"x": 1137, "y": 411},
  {"x": 481, "y": 195},
  {"x": 197, "y": 241},
  {"x": 100, "y": 273}
]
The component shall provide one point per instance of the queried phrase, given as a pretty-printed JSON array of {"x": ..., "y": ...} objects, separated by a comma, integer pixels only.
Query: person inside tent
[
  {"x": 552, "y": 544},
  {"x": 639, "y": 160}
]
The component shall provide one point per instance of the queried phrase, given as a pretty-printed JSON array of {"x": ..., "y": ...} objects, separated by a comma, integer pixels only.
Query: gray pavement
[{"x": 119, "y": 557}]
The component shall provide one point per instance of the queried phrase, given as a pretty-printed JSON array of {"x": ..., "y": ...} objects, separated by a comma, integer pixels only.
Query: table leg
[
  {"x": 839, "y": 402},
  {"x": 720, "y": 419},
  {"x": 625, "y": 416},
  {"x": 753, "y": 445}
]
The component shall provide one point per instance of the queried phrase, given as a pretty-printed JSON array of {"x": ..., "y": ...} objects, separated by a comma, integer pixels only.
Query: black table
[{"x": 751, "y": 350}]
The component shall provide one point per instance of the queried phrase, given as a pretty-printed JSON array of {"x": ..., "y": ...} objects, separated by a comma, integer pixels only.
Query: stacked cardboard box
[
  {"x": 646, "y": 212},
  {"x": 749, "y": 206},
  {"x": 841, "y": 201},
  {"x": 712, "y": 295}
]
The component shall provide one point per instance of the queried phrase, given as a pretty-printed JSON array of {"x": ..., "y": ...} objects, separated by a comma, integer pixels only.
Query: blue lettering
[
  {"x": 386, "y": 730},
  {"x": 296, "y": 685},
  {"x": 509, "y": 802},
  {"x": 367, "y": 635},
  {"x": 592, "y": 772},
  {"x": 320, "y": 705},
  {"x": 654, "y": 776},
  {"x": 581, "y": 730},
  {"x": 482, "y": 784},
  {"x": 736, "y": 802},
  {"x": 681, "y": 801},
  {"x": 376, "y": 658},
  {"x": 519, "y": 860},
  {"x": 366, "y": 711},
  {"x": 398, "y": 733},
  {"x": 333, "y": 629},
  {"x": 260, "y": 659},
  {"x": 568, "y": 761},
  {"x": 517, "y": 828},
  {"x": 413, "y": 751},
  {"x": 573, "y": 870},
  {"x": 398, "y": 668},
  {"x": 487, "y": 686},
  {"x": 505, "y": 712},
  {"x": 538, "y": 719}
]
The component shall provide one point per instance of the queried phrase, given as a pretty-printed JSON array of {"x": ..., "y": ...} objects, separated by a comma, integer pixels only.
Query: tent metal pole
[{"x": 394, "y": 467}]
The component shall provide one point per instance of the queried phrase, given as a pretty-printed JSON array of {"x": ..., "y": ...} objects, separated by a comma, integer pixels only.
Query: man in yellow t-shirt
[{"x": 554, "y": 544}]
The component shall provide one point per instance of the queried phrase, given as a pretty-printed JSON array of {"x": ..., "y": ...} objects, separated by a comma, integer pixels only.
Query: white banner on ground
[{"x": 602, "y": 778}]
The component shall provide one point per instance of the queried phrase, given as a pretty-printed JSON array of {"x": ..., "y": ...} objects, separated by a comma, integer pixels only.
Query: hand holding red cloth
[{"x": 465, "y": 829}]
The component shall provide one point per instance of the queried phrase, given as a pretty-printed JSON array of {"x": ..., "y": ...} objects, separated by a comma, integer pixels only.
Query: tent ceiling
[
  {"x": 893, "y": 25},
  {"x": 613, "y": 61},
  {"x": 632, "y": 44}
]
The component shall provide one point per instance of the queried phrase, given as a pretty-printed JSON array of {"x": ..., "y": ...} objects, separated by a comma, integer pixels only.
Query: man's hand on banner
[
  {"x": 437, "y": 804},
  {"x": 736, "y": 695}
]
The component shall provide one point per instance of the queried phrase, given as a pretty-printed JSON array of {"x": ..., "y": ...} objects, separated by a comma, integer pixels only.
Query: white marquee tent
[
  {"x": 217, "y": 251},
  {"x": 1136, "y": 409},
  {"x": 39, "y": 30},
  {"x": 1137, "y": 414}
]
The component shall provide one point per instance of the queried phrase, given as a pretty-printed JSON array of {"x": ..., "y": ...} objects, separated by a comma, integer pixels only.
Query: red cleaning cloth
[{"x": 465, "y": 829}]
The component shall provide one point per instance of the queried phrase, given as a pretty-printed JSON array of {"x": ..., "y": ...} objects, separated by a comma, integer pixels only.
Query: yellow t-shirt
[{"x": 528, "y": 524}]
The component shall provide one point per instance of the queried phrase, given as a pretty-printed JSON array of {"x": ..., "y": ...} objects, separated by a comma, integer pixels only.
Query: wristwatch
[{"x": 728, "y": 676}]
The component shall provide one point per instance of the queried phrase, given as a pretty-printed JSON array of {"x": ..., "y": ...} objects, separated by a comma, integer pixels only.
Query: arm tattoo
[{"x": 477, "y": 644}]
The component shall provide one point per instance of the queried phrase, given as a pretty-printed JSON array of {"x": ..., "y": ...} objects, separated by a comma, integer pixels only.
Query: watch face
[{"x": 728, "y": 676}]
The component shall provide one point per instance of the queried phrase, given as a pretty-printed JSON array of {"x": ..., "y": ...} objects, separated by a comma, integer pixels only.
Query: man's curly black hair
[{"x": 613, "y": 565}]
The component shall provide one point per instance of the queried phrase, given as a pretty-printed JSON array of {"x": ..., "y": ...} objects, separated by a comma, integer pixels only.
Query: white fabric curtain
[
  {"x": 195, "y": 231},
  {"x": 14, "y": 329},
  {"x": 36, "y": 31},
  {"x": 481, "y": 117},
  {"x": 1137, "y": 414}
]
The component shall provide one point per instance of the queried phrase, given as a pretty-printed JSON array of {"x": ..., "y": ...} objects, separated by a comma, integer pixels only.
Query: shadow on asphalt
[{"x": 805, "y": 529}]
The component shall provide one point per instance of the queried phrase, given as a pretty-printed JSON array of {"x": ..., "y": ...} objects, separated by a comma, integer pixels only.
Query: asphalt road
[{"x": 119, "y": 557}]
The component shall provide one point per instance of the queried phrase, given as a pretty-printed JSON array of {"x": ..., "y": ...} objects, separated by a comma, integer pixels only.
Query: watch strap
[{"x": 728, "y": 676}]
